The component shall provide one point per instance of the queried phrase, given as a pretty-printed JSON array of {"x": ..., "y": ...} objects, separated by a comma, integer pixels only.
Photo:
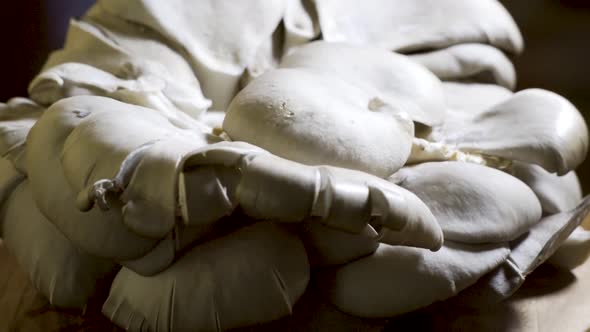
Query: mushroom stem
[
  {"x": 425, "y": 151},
  {"x": 97, "y": 192}
]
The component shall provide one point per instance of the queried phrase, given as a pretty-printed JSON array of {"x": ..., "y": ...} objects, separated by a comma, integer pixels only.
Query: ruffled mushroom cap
[
  {"x": 253, "y": 275},
  {"x": 62, "y": 272}
]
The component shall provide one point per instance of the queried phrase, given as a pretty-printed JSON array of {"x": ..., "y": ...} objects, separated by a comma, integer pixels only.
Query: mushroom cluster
[{"x": 216, "y": 156}]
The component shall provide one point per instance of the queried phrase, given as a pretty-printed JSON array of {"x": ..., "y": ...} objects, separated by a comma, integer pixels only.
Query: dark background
[{"x": 556, "y": 33}]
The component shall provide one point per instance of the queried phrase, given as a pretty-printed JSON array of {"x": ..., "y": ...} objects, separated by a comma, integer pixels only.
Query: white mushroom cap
[
  {"x": 147, "y": 84},
  {"x": 222, "y": 176},
  {"x": 395, "y": 280},
  {"x": 84, "y": 140},
  {"x": 471, "y": 62},
  {"x": 528, "y": 252},
  {"x": 473, "y": 203},
  {"x": 267, "y": 57},
  {"x": 301, "y": 23},
  {"x": 556, "y": 193},
  {"x": 315, "y": 118},
  {"x": 124, "y": 50},
  {"x": 329, "y": 246},
  {"x": 10, "y": 178},
  {"x": 17, "y": 116},
  {"x": 63, "y": 273},
  {"x": 393, "y": 79},
  {"x": 251, "y": 276},
  {"x": 401, "y": 25},
  {"x": 468, "y": 99},
  {"x": 107, "y": 43},
  {"x": 220, "y": 37},
  {"x": 534, "y": 126}
]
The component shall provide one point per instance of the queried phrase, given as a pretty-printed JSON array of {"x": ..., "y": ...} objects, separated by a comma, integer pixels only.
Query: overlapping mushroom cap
[{"x": 404, "y": 179}]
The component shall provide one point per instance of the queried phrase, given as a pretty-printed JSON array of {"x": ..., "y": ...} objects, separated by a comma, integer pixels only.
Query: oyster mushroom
[
  {"x": 472, "y": 203},
  {"x": 267, "y": 57},
  {"x": 556, "y": 193},
  {"x": 10, "y": 178},
  {"x": 470, "y": 62},
  {"x": 251, "y": 276},
  {"x": 133, "y": 175},
  {"x": 216, "y": 179},
  {"x": 62, "y": 272},
  {"x": 301, "y": 24},
  {"x": 147, "y": 85},
  {"x": 395, "y": 280},
  {"x": 315, "y": 118},
  {"x": 17, "y": 116},
  {"x": 392, "y": 78},
  {"x": 335, "y": 204},
  {"x": 329, "y": 246},
  {"x": 527, "y": 253},
  {"x": 207, "y": 229},
  {"x": 108, "y": 43},
  {"x": 220, "y": 38},
  {"x": 121, "y": 49},
  {"x": 468, "y": 99},
  {"x": 399, "y": 25},
  {"x": 82, "y": 140},
  {"x": 265, "y": 187},
  {"x": 533, "y": 126}
]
